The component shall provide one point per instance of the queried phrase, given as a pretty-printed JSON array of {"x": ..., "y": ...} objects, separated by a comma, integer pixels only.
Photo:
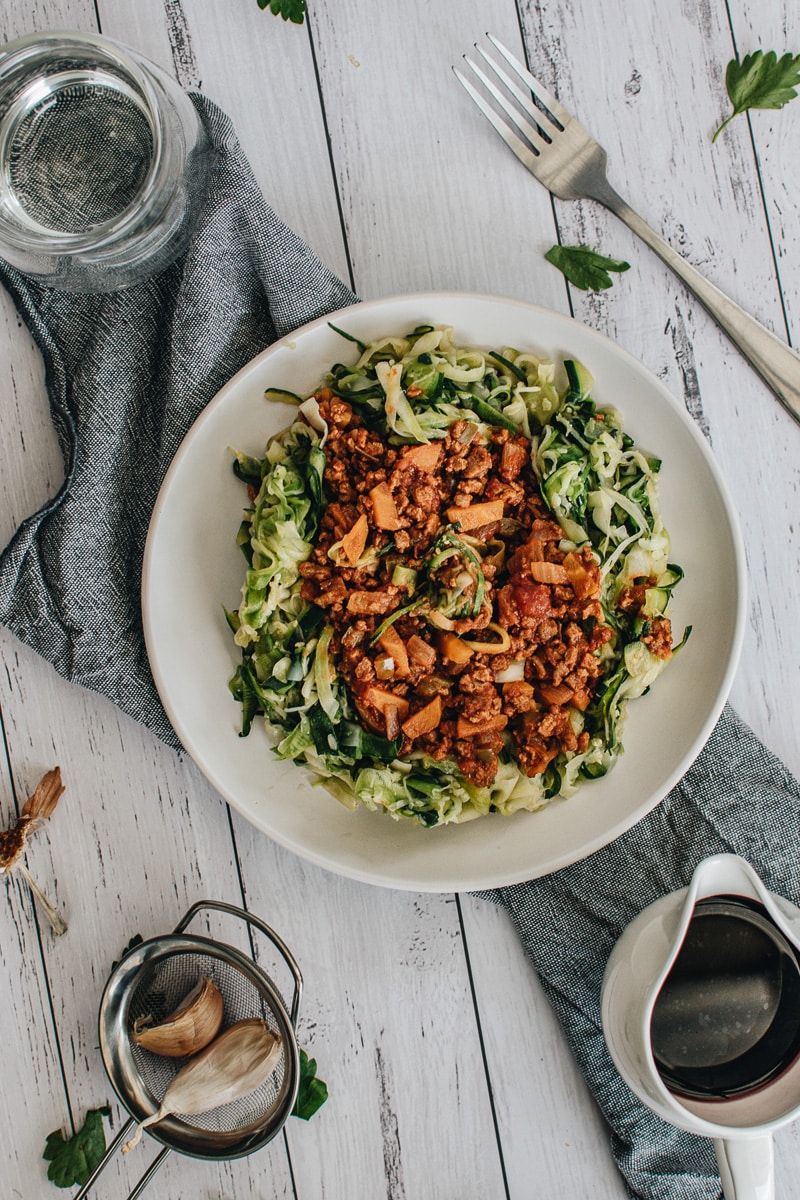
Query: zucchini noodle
[{"x": 369, "y": 748}]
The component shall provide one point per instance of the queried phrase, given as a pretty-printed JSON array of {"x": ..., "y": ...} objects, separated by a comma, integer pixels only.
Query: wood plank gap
[
  {"x": 243, "y": 891},
  {"x": 761, "y": 191},
  {"x": 329, "y": 144},
  {"x": 479, "y": 1028},
  {"x": 553, "y": 208},
  {"x": 39, "y": 939}
]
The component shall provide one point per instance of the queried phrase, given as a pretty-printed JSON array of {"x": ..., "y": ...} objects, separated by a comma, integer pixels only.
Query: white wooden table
[{"x": 449, "y": 1078}]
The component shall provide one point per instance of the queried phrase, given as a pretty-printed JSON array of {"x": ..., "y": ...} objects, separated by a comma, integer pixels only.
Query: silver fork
[{"x": 570, "y": 163}]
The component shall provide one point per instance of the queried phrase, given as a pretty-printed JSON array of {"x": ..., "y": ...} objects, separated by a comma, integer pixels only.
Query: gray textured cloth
[
  {"x": 736, "y": 798},
  {"x": 127, "y": 374}
]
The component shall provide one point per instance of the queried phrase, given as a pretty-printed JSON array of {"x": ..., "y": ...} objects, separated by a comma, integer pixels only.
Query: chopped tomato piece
[{"x": 532, "y": 599}]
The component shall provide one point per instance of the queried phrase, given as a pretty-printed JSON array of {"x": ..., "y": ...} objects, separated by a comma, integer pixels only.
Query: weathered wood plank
[
  {"x": 551, "y": 1129},
  {"x": 129, "y": 849},
  {"x": 430, "y": 198},
  {"x": 389, "y": 1017},
  {"x": 630, "y": 76},
  {"x": 260, "y": 71},
  {"x": 408, "y": 143}
]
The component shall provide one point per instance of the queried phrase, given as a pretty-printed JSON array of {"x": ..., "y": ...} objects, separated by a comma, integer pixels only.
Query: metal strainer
[{"x": 153, "y": 978}]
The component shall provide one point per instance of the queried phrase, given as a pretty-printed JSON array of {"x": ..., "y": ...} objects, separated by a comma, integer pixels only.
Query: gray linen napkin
[
  {"x": 736, "y": 798},
  {"x": 127, "y": 374}
]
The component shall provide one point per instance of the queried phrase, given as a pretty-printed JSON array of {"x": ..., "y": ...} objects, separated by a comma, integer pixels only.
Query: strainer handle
[
  {"x": 277, "y": 941},
  {"x": 143, "y": 1182}
]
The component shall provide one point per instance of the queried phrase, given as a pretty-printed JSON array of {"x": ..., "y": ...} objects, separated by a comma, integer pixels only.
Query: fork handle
[{"x": 776, "y": 362}]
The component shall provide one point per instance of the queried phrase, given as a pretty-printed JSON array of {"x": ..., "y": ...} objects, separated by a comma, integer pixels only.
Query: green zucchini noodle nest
[{"x": 373, "y": 689}]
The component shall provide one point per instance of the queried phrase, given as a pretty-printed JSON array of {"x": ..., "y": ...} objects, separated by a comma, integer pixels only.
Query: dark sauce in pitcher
[{"x": 727, "y": 1019}]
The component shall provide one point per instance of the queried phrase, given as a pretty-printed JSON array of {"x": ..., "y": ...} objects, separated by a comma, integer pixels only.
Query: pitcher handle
[{"x": 746, "y": 1167}]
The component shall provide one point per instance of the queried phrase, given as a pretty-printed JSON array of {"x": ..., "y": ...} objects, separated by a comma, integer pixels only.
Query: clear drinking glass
[{"x": 103, "y": 160}]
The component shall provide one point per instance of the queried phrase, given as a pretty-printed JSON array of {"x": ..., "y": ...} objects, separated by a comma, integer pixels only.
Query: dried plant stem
[{"x": 53, "y": 915}]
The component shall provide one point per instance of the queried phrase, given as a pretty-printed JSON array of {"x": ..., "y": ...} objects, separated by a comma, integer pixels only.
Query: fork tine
[
  {"x": 532, "y": 133},
  {"x": 523, "y": 98},
  {"x": 515, "y": 143},
  {"x": 539, "y": 90}
]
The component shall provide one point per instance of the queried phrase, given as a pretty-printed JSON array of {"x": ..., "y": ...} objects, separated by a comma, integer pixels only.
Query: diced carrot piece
[
  {"x": 555, "y": 693},
  {"x": 425, "y": 720},
  {"x": 474, "y": 515},
  {"x": 355, "y": 540},
  {"x": 384, "y": 508},
  {"x": 421, "y": 653},
  {"x": 452, "y": 647},
  {"x": 584, "y": 582},
  {"x": 394, "y": 645},
  {"x": 468, "y": 729},
  {"x": 381, "y": 699},
  {"x": 548, "y": 572},
  {"x": 425, "y": 457}
]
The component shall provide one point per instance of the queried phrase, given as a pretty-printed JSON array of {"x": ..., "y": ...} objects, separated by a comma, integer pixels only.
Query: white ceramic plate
[{"x": 192, "y": 567}]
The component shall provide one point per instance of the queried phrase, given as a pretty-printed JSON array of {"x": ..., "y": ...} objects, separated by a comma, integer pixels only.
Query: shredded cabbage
[{"x": 600, "y": 488}]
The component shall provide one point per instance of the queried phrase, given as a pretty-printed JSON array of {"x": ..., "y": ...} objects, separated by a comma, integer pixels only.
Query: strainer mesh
[{"x": 159, "y": 991}]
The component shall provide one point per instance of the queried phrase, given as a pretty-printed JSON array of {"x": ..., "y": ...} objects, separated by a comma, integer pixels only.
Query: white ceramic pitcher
[{"x": 741, "y": 1127}]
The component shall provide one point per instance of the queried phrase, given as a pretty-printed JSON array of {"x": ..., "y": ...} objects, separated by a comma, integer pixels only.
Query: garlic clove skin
[
  {"x": 236, "y": 1064},
  {"x": 191, "y": 1027}
]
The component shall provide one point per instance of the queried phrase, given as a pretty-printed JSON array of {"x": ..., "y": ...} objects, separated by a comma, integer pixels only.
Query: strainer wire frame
[{"x": 117, "y": 995}]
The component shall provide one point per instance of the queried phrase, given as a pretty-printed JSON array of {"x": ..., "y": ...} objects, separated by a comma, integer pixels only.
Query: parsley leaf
[
  {"x": 290, "y": 10},
  {"x": 312, "y": 1093},
  {"x": 584, "y": 267},
  {"x": 760, "y": 81},
  {"x": 72, "y": 1160}
]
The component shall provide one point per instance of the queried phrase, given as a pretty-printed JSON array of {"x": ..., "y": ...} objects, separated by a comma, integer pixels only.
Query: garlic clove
[
  {"x": 193, "y": 1024},
  {"x": 236, "y": 1063}
]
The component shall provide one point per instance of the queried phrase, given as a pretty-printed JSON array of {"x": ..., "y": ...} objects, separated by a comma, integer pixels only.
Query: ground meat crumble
[{"x": 427, "y": 687}]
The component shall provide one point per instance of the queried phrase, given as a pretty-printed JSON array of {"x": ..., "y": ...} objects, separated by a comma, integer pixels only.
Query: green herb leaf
[
  {"x": 72, "y": 1160},
  {"x": 290, "y": 10},
  {"x": 760, "y": 81},
  {"x": 313, "y": 1092},
  {"x": 585, "y": 268}
]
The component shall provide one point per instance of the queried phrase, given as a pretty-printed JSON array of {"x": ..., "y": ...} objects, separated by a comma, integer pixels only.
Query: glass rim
[{"x": 50, "y": 244}]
